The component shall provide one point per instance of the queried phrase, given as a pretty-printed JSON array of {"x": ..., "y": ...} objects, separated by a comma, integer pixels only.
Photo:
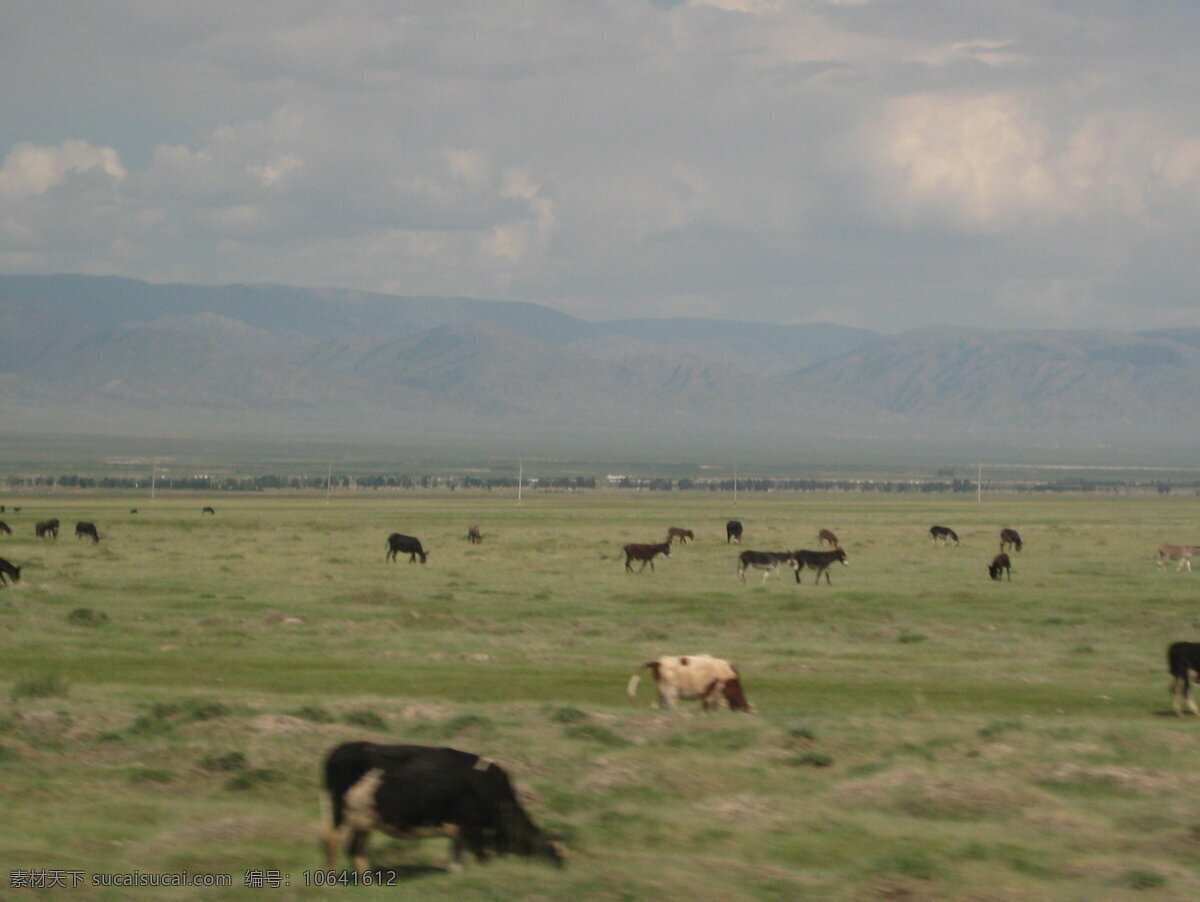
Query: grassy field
[{"x": 922, "y": 731}]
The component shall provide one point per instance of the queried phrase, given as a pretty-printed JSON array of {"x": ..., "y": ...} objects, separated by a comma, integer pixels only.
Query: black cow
[
  {"x": 83, "y": 528},
  {"x": 45, "y": 528},
  {"x": 207, "y": 510},
  {"x": 1183, "y": 661},
  {"x": 944, "y": 533},
  {"x": 411, "y": 791},
  {"x": 733, "y": 530},
  {"x": 398, "y": 544},
  {"x": 474, "y": 536},
  {"x": 5, "y": 528},
  {"x": 819, "y": 561},
  {"x": 1000, "y": 563},
  {"x": 1011, "y": 538},
  {"x": 9, "y": 570},
  {"x": 645, "y": 553},
  {"x": 767, "y": 561}
]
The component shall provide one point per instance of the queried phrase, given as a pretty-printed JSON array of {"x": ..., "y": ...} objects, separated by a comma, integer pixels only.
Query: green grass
[{"x": 922, "y": 732}]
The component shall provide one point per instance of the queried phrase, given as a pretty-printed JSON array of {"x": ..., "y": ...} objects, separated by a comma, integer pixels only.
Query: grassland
[{"x": 922, "y": 732}]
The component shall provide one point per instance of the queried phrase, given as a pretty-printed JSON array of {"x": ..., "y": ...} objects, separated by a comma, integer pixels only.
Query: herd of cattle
[{"x": 412, "y": 791}]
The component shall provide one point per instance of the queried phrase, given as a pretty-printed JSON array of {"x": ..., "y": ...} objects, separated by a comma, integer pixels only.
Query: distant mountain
[
  {"x": 76, "y": 350},
  {"x": 1038, "y": 379}
]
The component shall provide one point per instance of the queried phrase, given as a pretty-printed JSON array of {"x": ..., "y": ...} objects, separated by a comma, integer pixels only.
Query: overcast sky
[{"x": 883, "y": 163}]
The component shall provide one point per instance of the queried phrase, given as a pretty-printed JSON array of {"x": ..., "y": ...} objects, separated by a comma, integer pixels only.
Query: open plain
[{"x": 922, "y": 732}]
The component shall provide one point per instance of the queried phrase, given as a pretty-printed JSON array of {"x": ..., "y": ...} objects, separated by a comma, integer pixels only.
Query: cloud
[{"x": 30, "y": 169}]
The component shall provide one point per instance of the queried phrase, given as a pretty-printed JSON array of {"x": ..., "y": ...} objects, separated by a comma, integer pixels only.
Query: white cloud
[{"x": 30, "y": 169}]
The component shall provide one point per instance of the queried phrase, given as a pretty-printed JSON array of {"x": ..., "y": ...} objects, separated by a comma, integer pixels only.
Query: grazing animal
[
  {"x": 83, "y": 528},
  {"x": 645, "y": 553},
  {"x": 207, "y": 510},
  {"x": 1000, "y": 563},
  {"x": 1181, "y": 553},
  {"x": 712, "y": 680},
  {"x": 414, "y": 791},
  {"x": 677, "y": 532},
  {"x": 45, "y": 528},
  {"x": 1011, "y": 538},
  {"x": 1183, "y": 662},
  {"x": 5, "y": 528},
  {"x": 9, "y": 570},
  {"x": 826, "y": 536},
  {"x": 944, "y": 533},
  {"x": 16, "y": 510},
  {"x": 133, "y": 510},
  {"x": 820, "y": 561},
  {"x": 767, "y": 561},
  {"x": 733, "y": 530},
  {"x": 474, "y": 536},
  {"x": 398, "y": 544}
]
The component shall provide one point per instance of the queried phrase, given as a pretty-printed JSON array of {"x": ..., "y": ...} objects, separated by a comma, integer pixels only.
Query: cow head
[{"x": 732, "y": 690}]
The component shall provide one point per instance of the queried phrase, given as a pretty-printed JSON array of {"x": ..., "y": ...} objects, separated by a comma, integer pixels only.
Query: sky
[{"x": 891, "y": 164}]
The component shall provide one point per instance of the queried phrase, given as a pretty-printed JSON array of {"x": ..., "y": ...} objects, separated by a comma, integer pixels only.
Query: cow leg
[
  {"x": 330, "y": 841},
  {"x": 356, "y": 850}
]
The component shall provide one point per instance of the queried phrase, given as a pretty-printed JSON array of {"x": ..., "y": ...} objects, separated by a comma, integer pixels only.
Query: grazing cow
[
  {"x": 1183, "y": 662},
  {"x": 733, "y": 530},
  {"x": 645, "y": 553},
  {"x": 1000, "y": 563},
  {"x": 133, "y": 510},
  {"x": 414, "y": 791},
  {"x": 398, "y": 544},
  {"x": 712, "y": 680},
  {"x": 768, "y": 561},
  {"x": 474, "y": 536},
  {"x": 83, "y": 528},
  {"x": 1181, "y": 553},
  {"x": 9, "y": 570},
  {"x": 944, "y": 533},
  {"x": 826, "y": 536},
  {"x": 1011, "y": 538},
  {"x": 207, "y": 510},
  {"x": 5, "y": 528},
  {"x": 820, "y": 561},
  {"x": 45, "y": 528},
  {"x": 677, "y": 532}
]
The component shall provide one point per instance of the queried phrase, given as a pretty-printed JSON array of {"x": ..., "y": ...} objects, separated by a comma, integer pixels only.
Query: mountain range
[{"x": 77, "y": 351}]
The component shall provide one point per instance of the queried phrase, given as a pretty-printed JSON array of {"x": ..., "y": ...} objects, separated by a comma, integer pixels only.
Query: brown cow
[{"x": 677, "y": 532}]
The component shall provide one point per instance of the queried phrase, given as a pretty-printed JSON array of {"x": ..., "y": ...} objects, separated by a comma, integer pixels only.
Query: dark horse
[
  {"x": 819, "y": 561},
  {"x": 645, "y": 553},
  {"x": 678, "y": 532},
  {"x": 5, "y": 528},
  {"x": 1000, "y": 563},
  {"x": 45, "y": 528},
  {"x": 733, "y": 530},
  {"x": 83, "y": 528},
  {"x": 1011, "y": 538},
  {"x": 7, "y": 569},
  {"x": 944, "y": 533},
  {"x": 474, "y": 536}
]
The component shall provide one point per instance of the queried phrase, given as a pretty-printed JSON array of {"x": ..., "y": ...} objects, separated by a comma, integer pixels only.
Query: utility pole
[
  {"x": 979, "y": 486},
  {"x": 520, "y": 478}
]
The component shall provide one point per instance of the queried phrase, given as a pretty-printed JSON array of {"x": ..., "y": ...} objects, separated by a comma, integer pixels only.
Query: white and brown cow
[
  {"x": 1181, "y": 553},
  {"x": 712, "y": 680}
]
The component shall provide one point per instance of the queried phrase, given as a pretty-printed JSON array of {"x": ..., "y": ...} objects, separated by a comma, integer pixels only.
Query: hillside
[{"x": 75, "y": 350}]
